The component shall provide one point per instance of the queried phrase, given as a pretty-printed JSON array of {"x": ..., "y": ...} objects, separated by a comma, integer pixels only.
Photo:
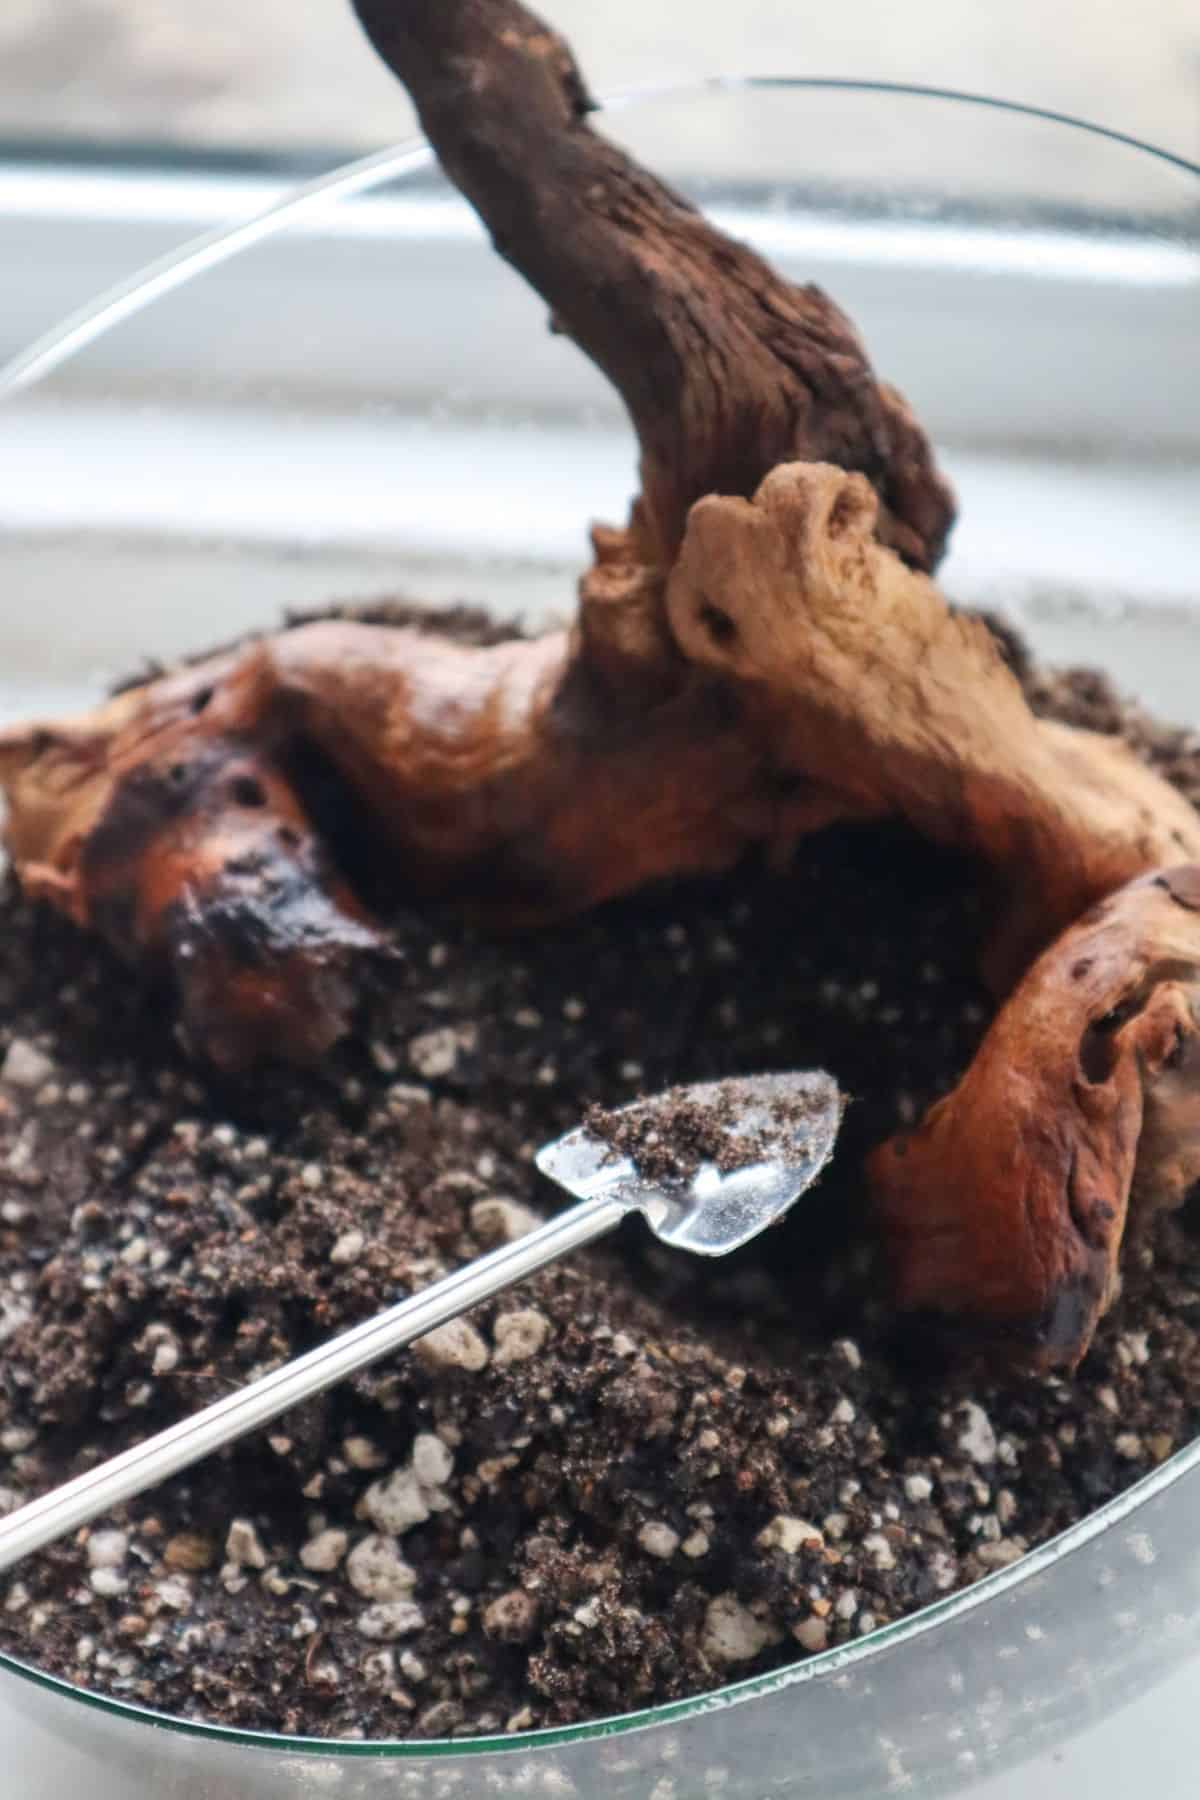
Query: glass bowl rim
[
  {"x": 160, "y": 277},
  {"x": 130, "y": 296}
]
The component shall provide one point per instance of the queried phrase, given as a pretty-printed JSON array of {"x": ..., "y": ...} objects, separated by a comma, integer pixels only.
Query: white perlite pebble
[
  {"x": 324, "y": 1551},
  {"x": 14, "y": 1313},
  {"x": 391, "y": 1619},
  {"x": 519, "y": 1335},
  {"x": 396, "y": 1503},
  {"x": 696, "y": 1545},
  {"x": 107, "y": 1549},
  {"x": 243, "y": 1546},
  {"x": 108, "y": 1583},
  {"x": 432, "y": 1460},
  {"x": 407, "y": 1496},
  {"x": 456, "y": 1345},
  {"x": 879, "y": 1550},
  {"x": 944, "y": 1569},
  {"x": 732, "y": 1633},
  {"x": 789, "y": 1534},
  {"x": 25, "y": 1066},
  {"x": 657, "y": 1539},
  {"x": 977, "y": 1438},
  {"x": 917, "y": 1487},
  {"x": 175, "y": 1591},
  {"x": 363, "y": 1453},
  {"x": 404, "y": 1098},
  {"x": 846, "y": 1605},
  {"x": 379, "y": 1668},
  {"x": 498, "y": 1221},
  {"x": 21, "y": 1154},
  {"x": 435, "y": 1053},
  {"x": 348, "y": 1248},
  {"x": 377, "y": 1571}
]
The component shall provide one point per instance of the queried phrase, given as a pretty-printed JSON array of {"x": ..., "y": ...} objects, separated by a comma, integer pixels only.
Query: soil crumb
[{"x": 668, "y": 1136}]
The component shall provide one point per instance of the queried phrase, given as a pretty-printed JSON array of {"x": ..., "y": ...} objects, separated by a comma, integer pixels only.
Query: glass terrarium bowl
[{"x": 354, "y": 396}]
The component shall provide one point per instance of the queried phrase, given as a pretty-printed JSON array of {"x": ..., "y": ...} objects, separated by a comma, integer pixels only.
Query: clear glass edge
[
  {"x": 149, "y": 284},
  {"x": 207, "y": 251},
  {"x": 941, "y": 1612}
]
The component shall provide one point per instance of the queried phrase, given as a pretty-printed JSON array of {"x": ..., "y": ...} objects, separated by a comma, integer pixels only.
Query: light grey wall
[{"x": 296, "y": 72}]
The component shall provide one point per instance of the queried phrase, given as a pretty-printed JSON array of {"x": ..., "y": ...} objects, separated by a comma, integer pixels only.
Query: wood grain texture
[{"x": 725, "y": 369}]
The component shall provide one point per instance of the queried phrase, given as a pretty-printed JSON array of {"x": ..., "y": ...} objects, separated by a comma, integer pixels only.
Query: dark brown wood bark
[{"x": 726, "y": 370}]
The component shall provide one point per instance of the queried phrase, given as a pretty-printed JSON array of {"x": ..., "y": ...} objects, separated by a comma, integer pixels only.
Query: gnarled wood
[
  {"x": 1007, "y": 1207},
  {"x": 860, "y": 678},
  {"x": 726, "y": 369},
  {"x": 799, "y": 674},
  {"x": 156, "y": 823}
]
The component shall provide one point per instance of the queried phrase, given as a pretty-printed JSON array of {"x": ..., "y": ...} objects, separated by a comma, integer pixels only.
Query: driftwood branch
[
  {"x": 726, "y": 370},
  {"x": 759, "y": 653},
  {"x": 813, "y": 677},
  {"x": 1007, "y": 1207}
]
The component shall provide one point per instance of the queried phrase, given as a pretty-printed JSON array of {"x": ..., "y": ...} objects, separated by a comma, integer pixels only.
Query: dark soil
[
  {"x": 636, "y": 1477},
  {"x": 668, "y": 1136}
]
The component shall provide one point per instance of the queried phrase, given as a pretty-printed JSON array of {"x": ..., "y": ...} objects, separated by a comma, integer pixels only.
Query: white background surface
[{"x": 298, "y": 72}]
